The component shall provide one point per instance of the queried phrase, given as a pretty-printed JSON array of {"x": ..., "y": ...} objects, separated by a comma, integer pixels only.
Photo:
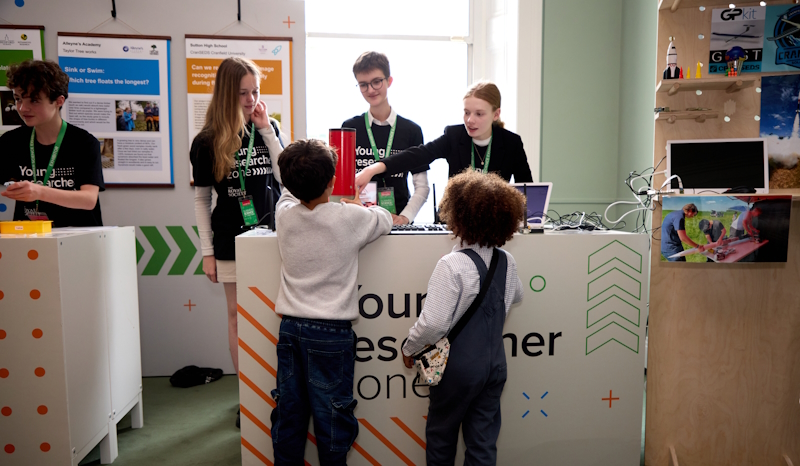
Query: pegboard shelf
[
  {"x": 724, "y": 83},
  {"x": 698, "y": 116}
]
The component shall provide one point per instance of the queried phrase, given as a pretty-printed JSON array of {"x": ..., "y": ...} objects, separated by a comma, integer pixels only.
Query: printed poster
[
  {"x": 119, "y": 91},
  {"x": 780, "y": 126},
  {"x": 742, "y": 228},
  {"x": 782, "y": 38},
  {"x": 16, "y": 45},
  {"x": 273, "y": 56},
  {"x": 736, "y": 33}
]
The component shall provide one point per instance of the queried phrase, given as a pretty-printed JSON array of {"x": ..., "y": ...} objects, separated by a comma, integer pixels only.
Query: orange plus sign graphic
[
  {"x": 190, "y": 305},
  {"x": 289, "y": 22},
  {"x": 610, "y": 398}
]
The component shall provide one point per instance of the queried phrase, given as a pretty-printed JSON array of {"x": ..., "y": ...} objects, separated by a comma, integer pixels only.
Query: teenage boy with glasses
[{"x": 383, "y": 131}]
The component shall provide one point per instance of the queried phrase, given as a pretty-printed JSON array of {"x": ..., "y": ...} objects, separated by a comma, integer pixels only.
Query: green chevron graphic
[
  {"x": 139, "y": 251},
  {"x": 160, "y": 250},
  {"x": 613, "y": 266},
  {"x": 614, "y": 278},
  {"x": 187, "y": 250},
  {"x": 615, "y": 251},
  {"x": 199, "y": 270},
  {"x": 618, "y": 333},
  {"x": 613, "y": 305}
]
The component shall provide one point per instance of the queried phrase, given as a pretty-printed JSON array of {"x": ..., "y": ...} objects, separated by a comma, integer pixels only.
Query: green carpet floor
[
  {"x": 187, "y": 427},
  {"x": 182, "y": 427}
]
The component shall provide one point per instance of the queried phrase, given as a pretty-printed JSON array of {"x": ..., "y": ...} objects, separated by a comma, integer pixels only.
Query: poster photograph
[
  {"x": 17, "y": 44},
  {"x": 744, "y": 228},
  {"x": 272, "y": 56},
  {"x": 782, "y": 38},
  {"x": 120, "y": 92},
  {"x": 736, "y": 33},
  {"x": 780, "y": 126}
]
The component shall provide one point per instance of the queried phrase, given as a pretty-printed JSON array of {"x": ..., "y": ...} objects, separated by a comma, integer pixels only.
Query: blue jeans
[{"x": 316, "y": 361}]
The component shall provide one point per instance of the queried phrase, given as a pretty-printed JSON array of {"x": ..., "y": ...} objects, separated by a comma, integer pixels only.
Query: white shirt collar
[
  {"x": 389, "y": 121},
  {"x": 482, "y": 142}
]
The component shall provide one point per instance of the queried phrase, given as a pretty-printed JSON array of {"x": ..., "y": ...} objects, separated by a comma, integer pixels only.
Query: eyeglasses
[{"x": 376, "y": 84}]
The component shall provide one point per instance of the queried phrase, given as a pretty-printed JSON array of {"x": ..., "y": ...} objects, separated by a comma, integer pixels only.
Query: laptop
[{"x": 537, "y": 197}]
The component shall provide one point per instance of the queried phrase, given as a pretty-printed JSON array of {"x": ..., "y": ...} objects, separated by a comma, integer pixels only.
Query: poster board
[
  {"x": 735, "y": 33},
  {"x": 17, "y": 44},
  {"x": 272, "y": 55},
  {"x": 120, "y": 92}
]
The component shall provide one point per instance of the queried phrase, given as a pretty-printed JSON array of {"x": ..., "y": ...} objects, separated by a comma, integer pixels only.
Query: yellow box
[{"x": 26, "y": 227}]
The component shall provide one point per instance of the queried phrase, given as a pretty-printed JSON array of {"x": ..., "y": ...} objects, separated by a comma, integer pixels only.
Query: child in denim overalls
[{"x": 483, "y": 211}]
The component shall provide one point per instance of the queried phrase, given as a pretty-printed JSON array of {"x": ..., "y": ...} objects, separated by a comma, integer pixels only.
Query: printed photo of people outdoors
[
  {"x": 137, "y": 115},
  {"x": 725, "y": 229}
]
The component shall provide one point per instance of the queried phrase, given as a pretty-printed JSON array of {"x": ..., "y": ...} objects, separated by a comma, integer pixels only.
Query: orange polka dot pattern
[
  {"x": 37, "y": 333},
  {"x": 33, "y": 255},
  {"x": 45, "y": 447},
  {"x": 35, "y": 294},
  {"x": 3, "y": 334},
  {"x": 39, "y": 371},
  {"x": 3, "y": 373},
  {"x": 42, "y": 409}
]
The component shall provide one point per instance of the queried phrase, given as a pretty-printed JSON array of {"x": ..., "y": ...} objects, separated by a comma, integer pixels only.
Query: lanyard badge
[
  {"x": 50, "y": 165},
  {"x": 375, "y": 152},
  {"x": 386, "y": 199},
  {"x": 246, "y": 202},
  {"x": 248, "y": 210}
]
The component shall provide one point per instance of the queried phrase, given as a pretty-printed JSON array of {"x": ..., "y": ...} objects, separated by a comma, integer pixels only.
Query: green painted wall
[
  {"x": 597, "y": 98},
  {"x": 637, "y": 96}
]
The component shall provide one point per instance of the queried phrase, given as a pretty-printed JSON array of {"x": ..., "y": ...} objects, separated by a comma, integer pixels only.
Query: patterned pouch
[{"x": 431, "y": 361}]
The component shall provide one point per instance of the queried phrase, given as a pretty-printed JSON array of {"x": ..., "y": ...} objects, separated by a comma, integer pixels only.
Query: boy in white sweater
[{"x": 319, "y": 243}]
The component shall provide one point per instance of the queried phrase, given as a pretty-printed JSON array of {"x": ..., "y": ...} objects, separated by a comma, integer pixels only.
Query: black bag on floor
[{"x": 190, "y": 376}]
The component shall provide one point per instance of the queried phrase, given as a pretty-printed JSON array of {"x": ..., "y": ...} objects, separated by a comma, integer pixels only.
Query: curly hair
[
  {"x": 307, "y": 166},
  {"x": 482, "y": 209},
  {"x": 36, "y": 76}
]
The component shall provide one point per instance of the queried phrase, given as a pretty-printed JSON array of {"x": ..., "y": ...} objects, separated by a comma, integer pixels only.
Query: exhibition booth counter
[
  {"x": 70, "y": 364},
  {"x": 574, "y": 346}
]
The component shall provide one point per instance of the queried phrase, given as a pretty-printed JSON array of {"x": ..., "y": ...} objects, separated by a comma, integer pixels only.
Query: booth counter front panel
[
  {"x": 575, "y": 348},
  {"x": 70, "y": 365}
]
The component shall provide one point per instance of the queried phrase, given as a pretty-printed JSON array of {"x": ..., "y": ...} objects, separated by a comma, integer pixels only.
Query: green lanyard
[
  {"x": 249, "y": 154},
  {"x": 372, "y": 139},
  {"x": 488, "y": 155},
  {"x": 53, "y": 157}
]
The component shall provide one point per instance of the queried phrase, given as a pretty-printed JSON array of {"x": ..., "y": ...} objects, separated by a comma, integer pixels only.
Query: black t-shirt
[
  {"x": 715, "y": 231},
  {"x": 408, "y": 134},
  {"x": 77, "y": 164},
  {"x": 226, "y": 220}
]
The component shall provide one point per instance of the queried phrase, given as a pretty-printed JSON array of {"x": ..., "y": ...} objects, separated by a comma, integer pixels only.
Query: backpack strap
[
  {"x": 487, "y": 281},
  {"x": 275, "y": 128}
]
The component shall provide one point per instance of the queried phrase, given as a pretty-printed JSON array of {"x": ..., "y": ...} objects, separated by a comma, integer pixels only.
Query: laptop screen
[{"x": 538, "y": 197}]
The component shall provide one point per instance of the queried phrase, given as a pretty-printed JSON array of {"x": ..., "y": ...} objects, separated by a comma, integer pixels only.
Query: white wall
[{"x": 172, "y": 335}]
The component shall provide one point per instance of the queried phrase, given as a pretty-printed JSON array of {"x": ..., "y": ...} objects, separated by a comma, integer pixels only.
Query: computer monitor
[
  {"x": 538, "y": 200},
  {"x": 717, "y": 165}
]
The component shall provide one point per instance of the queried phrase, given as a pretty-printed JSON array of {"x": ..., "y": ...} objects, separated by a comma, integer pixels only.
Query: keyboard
[{"x": 420, "y": 229}]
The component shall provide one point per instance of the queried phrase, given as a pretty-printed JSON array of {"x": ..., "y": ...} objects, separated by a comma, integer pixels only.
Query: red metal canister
[{"x": 344, "y": 140}]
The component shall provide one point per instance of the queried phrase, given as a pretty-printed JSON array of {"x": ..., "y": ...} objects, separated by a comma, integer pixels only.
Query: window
[{"x": 429, "y": 68}]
